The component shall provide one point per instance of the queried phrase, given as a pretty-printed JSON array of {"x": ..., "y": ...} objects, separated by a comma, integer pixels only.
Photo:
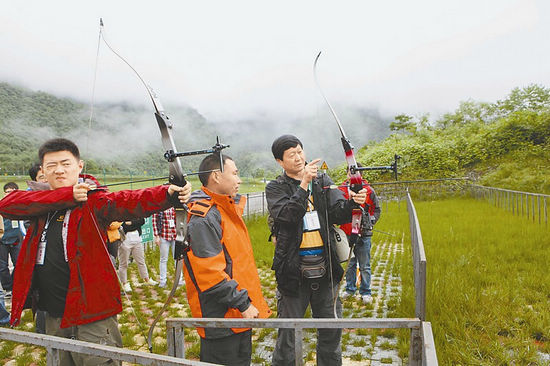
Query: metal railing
[
  {"x": 532, "y": 205},
  {"x": 55, "y": 344},
  {"x": 417, "y": 352},
  {"x": 422, "y": 347},
  {"x": 426, "y": 347},
  {"x": 256, "y": 204}
]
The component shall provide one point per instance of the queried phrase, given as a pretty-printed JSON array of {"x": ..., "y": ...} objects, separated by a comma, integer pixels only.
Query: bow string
[
  {"x": 356, "y": 181},
  {"x": 176, "y": 176}
]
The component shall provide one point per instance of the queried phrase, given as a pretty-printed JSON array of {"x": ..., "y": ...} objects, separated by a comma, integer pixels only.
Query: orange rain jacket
[{"x": 220, "y": 271}]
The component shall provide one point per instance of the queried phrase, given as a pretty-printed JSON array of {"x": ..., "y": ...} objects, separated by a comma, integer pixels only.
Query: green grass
[
  {"x": 488, "y": 285},
  {"x": 259, "y": 234}
]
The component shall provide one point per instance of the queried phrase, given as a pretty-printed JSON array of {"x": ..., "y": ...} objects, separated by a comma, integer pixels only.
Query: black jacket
[
  {"x": 287, "y": 204},
  {"x": 135, "y": 225}
]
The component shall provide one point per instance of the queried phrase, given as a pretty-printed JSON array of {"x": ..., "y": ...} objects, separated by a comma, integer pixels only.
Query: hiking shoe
[
  {"x": 367, "y": 299},
  {"x": 152, "y": 282},
  {"x": 7, "y": 294},
  {"x": 346, "y": 294},
  {"x": 126, "y": 287}
]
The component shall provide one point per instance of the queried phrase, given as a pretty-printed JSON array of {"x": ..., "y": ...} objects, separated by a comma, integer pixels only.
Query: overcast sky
[{"x": 233, "y": 59}]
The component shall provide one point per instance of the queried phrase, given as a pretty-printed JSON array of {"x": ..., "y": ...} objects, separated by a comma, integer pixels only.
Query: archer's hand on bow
[
  {"x": 80, "y": 191},
  {"x": 359, "y": 197},
  {"x": 184, "y": 193}
]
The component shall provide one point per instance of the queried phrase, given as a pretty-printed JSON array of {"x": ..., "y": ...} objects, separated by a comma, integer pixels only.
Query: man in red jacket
[
  {"x": 362, "y": 247},
  {"x": 63, "y": 263}
]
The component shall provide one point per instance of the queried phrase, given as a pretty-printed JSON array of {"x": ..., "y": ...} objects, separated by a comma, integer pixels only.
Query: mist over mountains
[{"x": 124, "y": 137}]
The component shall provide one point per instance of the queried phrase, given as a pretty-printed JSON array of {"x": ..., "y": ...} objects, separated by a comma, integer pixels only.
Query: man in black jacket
[{"x": 307, "y": 270}]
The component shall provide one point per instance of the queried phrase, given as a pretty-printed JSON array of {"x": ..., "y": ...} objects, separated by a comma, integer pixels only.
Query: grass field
[{"x": 488, "y": 290}]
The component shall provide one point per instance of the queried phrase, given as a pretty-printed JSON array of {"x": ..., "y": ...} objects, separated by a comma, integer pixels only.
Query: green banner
[{"x": 147, "y": 231}]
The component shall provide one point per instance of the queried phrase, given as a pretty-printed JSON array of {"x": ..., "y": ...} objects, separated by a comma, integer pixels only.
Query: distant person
[
  {"x": 65, "y": 254},
  {"x": 38, "y": 181},
  {"x": 115, "y": 240},
  {"x": 132, "y": 245},
  {"x": 36, "y": 174},
  {"x": 220, "y": 272},
  {"x": 10, "y": 244},
  {"x": 306, "y": 266},
  {"x": 362, "y": 248},
  {"x": 4, "y": 314},
  {"x": 164, "y": 230}
]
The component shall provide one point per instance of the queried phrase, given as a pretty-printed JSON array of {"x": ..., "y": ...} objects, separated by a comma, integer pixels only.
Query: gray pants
[
  {"x": 103, "y": 331},
  {"x": 136, "y": 249},
  {"x": 234, "y": 350},
  {"x": 318, "y": 294}
]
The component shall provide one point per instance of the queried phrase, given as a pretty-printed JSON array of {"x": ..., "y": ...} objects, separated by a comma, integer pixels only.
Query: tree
[
  {"x": 533, "y": 97},
  {"x": 403, "y": 122}
]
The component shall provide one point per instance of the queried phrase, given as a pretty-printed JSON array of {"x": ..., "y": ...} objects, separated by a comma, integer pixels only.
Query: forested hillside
[
  {"x": 123, "y": 138},
  {"x": 504, "y": 144}
]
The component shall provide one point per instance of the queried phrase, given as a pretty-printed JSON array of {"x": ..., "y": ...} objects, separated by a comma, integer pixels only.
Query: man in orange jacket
[{"x": 220, "y": 272}]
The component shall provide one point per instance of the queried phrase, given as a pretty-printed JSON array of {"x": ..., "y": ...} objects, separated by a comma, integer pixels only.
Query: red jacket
[
  {"x": 344, "y": 187},
  {"x": 93, "y": 293}
]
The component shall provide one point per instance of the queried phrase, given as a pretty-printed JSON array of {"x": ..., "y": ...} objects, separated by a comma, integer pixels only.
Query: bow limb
[
  {"x": 356, "y": 181},
  {"x": 176, "y": 176}
]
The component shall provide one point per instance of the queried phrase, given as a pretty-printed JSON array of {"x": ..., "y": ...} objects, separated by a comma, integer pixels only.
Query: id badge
[
  {"x": 171, "y": 223},
  {"x": 311, "y": 221},
  {"x": 14, "y": 224},
  {"x": 41, "y": 253}
]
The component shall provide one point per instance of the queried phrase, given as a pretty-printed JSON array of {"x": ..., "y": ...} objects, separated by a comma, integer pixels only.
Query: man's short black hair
[
  {"x": 58, "y": 144},
  {"x": 11, "y": 185},
  {"x": 283, "y": 143},
  {"x": 33, "y": 171},
  {"x": 210, "y": 163}
]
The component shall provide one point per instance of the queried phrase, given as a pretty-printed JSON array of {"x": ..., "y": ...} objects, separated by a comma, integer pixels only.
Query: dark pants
[
  {"x": 40, "y": 322},
  {"x": 4, "y": 314},
  {"x": 235, "y": 350},
  {"x": 318, "y": 294},
  {"x": 103, "y": 331},
  {"x": 8, "y": 250}
]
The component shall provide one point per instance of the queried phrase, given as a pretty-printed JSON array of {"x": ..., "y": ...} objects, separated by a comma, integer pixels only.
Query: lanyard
[{"x": 45, "y": 231}]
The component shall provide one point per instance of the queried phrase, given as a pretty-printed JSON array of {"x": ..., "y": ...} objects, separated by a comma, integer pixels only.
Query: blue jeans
[
  {"x": 362, "y": 255},
  {"x": 4, "y": 315},
  {"x": 165, "y": 247},
  {"x": 6, "y": 251}
]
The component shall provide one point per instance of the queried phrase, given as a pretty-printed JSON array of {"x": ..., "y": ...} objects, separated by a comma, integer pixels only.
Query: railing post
[
  {"x": 545, "y": 213},
  {"x": 415, "y": 350},
  {"x": 533, "y": 207},
  {"x": 247, "y": 205},
  {"x": 538, "y": 205},
  {"x": 298, "y": 337},
  {"x": 175, "y": 341},
  {"x": 52, "y": 358}
]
